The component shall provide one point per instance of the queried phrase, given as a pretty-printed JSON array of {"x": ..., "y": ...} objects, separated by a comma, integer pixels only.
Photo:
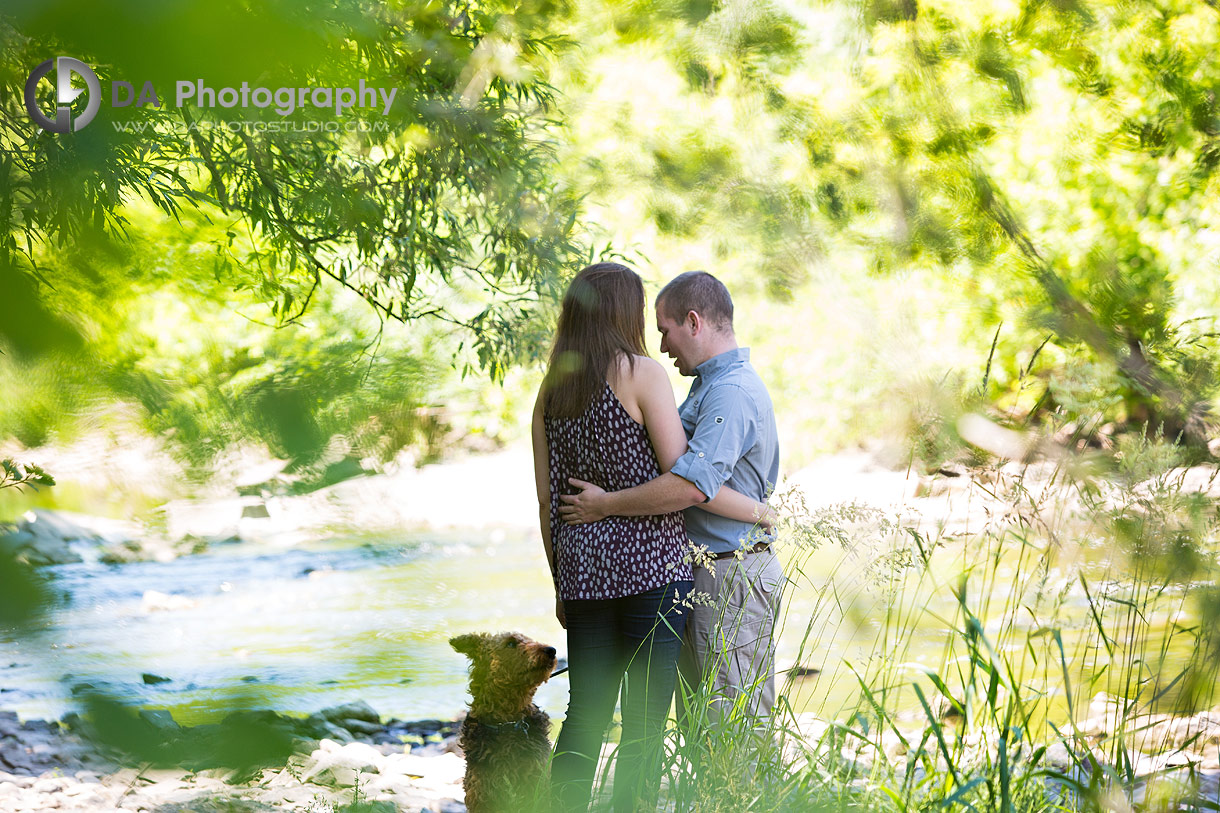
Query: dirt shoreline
[
  {"x": 394, "y": 765},
  {"x": 70, "y": 765}
]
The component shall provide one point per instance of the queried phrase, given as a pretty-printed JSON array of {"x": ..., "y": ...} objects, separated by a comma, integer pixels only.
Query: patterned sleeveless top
[{"x": 615, "y": 556}]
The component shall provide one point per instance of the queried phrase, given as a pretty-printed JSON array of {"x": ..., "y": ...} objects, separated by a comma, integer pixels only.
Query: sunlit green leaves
[
  {"x": 1050, "y": 148},
  {"x": 454, "y": 184},
  {"x": 17, "y": 475}
]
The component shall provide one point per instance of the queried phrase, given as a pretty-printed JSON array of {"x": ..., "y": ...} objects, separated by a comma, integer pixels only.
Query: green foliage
[
  {"x": 449, "y": 212},
  {"x": 677, "y": 129},
  {"x": 26, "y": 595},
  {"x": 1047, "y": 157},
  {"x": 16, "y": 475},
  {"x": 1043, "y": 167},
  {"x": 294, "y": 390},
  {"x": 244, "y": 742},
  {"x": 444, "y": 214},
  {"x": 161, "y": 330}
]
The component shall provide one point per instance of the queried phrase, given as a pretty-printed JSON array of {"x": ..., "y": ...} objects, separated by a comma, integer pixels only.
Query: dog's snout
[{"x": 550, "y": 651}]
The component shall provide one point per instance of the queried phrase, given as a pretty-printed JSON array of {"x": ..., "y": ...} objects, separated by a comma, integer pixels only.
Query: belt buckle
[{"x": 757, "y": 547}]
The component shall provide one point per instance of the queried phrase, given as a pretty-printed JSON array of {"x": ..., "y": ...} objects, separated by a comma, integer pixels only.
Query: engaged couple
[{"x": 655, "y": 523}]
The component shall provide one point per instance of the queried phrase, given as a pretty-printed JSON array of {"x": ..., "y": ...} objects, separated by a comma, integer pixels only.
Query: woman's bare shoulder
[
  {"x": 634, "y": 365},
  {"x": 643, "y": 373}
]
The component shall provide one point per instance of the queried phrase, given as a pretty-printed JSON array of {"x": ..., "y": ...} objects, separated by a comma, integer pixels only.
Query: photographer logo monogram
[{"x": 65, "y": 94}]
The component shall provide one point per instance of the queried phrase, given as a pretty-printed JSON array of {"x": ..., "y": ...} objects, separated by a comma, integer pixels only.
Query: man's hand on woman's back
[{"x": 584, "y": 506}]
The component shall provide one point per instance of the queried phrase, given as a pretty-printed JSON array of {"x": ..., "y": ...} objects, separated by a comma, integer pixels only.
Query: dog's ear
[{"x": 468, "y": 644}]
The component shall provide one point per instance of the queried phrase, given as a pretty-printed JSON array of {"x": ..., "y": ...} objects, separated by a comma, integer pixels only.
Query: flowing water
[
  {"x": 294, "y": 629},
  {"x": 301, "y": 628}
]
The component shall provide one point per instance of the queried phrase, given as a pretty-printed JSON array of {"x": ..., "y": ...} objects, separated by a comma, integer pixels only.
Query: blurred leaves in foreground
[
  {"x": 443, "y": 206},
  {"x": 142, "y": 256},
  {"x": 16, "y": 475},
  {"x": 24, "y": 594},
  {"x": 244, "y": 741}
]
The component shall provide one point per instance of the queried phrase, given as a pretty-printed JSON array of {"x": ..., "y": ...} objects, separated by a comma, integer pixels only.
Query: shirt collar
[{"x": 722, "y": 362}]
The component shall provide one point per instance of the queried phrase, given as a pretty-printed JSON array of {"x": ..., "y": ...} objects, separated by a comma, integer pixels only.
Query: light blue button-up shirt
[{"x": 732, "y": 440}]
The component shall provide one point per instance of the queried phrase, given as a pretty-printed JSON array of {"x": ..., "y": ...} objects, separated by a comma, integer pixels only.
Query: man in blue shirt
[{"x": 730, "y": 424}]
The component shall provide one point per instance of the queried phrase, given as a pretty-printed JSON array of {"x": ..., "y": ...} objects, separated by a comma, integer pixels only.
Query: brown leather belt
[{"x": 757, "y": 547}]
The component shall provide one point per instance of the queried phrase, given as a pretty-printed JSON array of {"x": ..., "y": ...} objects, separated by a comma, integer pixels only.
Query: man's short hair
[{"x": 700, "y": 292}]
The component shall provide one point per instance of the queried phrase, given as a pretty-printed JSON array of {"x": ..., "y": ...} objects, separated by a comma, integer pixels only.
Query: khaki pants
[{"x": 728, "y": 654}]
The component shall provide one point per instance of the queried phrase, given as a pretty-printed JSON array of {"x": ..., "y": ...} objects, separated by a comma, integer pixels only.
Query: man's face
[{"x": 677, "y": 342}]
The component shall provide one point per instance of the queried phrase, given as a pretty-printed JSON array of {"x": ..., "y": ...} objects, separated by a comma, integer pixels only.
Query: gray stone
[
  {"x": 44, "y": 540},
  {"x": 336, "y": 732},
  {"x": 160, "y": 719},
  {"x": 215, "y": 804},
  {"x": 18, "y": 762},
  {"x": 358, "y": 710},
  {"x": 50, "y": 552},
  {"x": 40, "y": 727},
  {"x": 51, "y": 525},
  {"x": 15, "y": 541},
  {"x": 362, "y": 727}
]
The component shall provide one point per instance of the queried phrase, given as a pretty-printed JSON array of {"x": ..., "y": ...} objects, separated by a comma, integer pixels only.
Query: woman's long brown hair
[{"x": 602, "y": 318}]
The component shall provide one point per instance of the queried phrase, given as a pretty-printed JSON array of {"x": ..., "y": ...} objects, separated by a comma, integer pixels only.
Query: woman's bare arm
[{"x": 542, "y": 484}]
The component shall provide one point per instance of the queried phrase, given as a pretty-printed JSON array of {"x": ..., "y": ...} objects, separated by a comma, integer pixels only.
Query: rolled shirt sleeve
[{"x": 725, "y": 428}]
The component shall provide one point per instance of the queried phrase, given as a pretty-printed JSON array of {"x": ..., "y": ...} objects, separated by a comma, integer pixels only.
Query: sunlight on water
[{"x": 301, "y": 629}]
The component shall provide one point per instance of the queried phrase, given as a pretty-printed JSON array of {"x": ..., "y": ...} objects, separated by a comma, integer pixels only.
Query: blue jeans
[{"x": 637, "y": 637}]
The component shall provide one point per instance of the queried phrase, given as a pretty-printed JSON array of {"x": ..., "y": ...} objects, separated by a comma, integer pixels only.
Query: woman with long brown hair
[{"x": 606, "y": 415}]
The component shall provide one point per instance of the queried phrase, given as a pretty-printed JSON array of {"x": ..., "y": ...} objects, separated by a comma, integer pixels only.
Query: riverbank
[
  {"x": 314, "y": 589},
  {"x": 393, "y": 765},
  {"x": 326, "y": 761},
  {"x": 496, "y": 492},
  {"x": 252, "y": 499},
  {"x": 478, "y": 493}
]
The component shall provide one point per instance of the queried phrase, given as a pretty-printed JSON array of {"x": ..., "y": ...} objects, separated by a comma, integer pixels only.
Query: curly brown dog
[{"x": 505, "y": 735}]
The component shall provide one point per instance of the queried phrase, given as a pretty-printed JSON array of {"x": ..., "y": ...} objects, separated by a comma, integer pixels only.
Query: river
[
  {"x": 368, "y": 617},
  {"x": 296, "y": 629}
]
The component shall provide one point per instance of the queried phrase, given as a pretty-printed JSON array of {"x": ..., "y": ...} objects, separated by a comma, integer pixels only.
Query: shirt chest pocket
[{"x": 689, "y": 413}]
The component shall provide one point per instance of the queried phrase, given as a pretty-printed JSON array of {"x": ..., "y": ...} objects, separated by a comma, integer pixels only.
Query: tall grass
[{"x": 1053, "y": 658}]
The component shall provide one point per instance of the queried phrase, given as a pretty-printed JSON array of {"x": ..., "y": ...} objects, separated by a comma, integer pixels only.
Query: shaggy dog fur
[{"x": 505, "y": 735}]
